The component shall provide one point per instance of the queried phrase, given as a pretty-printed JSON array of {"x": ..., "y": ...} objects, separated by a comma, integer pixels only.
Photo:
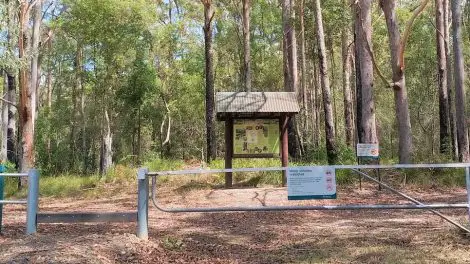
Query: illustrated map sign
[
  {"x": 256, "y": 137},
  {"x": 305, "y": 183},
  {"x": 368, "y": 150}
]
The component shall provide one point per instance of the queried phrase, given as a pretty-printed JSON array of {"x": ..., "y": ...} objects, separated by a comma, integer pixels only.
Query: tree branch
[
  {"x": 8, "y": 102},
  {"x": 407, "y": 33}
]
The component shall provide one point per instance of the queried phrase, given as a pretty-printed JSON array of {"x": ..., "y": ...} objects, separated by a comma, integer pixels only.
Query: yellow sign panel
[{"x": 256, "y": 136}]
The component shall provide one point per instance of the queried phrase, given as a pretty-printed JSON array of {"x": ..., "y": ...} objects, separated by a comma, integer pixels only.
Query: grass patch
[
  {"x": 443, "y": 177},
  {"x": 67, "y": 185},
  {"x": 71, "y": 185},
  {"x": 56, "y": 186},
  {"x": 121, "y": 176}
]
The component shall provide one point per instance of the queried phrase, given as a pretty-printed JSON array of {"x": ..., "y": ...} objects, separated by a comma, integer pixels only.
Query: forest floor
[{"x": 399, "y": 236}]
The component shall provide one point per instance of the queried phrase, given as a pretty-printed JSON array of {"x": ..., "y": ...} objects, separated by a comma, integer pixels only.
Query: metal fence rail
[
  {"x": 144, "y": 175},
  {"x": 31, "y": 201}
]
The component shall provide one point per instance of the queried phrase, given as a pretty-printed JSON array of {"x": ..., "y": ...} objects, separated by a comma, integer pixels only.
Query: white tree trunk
[
  {"x": 4, "y": 142},
  {"x": 106, "y": 151}
]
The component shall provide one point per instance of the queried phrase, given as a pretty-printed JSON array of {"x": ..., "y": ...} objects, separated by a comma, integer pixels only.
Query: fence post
[
  {"x": 142, "y": 203},
  {"x": 32, "y": 206},
  {"x": 467, "y": 180}
]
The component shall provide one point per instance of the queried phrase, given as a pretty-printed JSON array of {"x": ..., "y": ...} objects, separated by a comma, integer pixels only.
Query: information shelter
[{"x": 255, "y": 125}]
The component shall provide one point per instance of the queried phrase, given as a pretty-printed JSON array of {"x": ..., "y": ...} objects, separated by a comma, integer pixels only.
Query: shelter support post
[
  {"x": 228, "y": 150},
  {"x": 284, "y": 146},
  {"x": 32, "y": 204},
  {"x": 142, "y": 203}
]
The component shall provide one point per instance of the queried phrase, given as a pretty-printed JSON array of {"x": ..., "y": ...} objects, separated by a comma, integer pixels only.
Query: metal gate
[{"x": 143, "y": 194}]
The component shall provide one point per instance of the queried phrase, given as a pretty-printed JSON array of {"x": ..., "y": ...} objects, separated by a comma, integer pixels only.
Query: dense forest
[{"x": 87, "y": 84}]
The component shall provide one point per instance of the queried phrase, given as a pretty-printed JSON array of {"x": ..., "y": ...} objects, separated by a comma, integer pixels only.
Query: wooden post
[
  {"x": 284, "y": 146},
  {"x": 228, "y": 150}
]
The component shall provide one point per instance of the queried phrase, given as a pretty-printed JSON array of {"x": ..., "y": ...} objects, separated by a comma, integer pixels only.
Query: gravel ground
[{"x": 250, "y": 237}]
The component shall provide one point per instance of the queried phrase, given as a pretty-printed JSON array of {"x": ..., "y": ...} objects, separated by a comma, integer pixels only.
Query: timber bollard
[{"x": 142, "y": 203}]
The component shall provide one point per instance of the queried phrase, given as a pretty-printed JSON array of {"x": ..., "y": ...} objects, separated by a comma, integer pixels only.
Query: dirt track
[{"x": 274, "y": 237}]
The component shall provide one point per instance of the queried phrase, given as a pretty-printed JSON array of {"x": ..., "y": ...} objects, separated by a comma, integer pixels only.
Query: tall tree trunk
[
  {"x": 364, "y": 39},
  {"x": 35, "y": 64},
  {"x": 405, "y": 140},
  {"x": 333, "y": 81},
  {"x": 450, "y": 92},
  {"x": 444, "y": 136},
  {"x": 49, "y": 98},
  {"x": 83, "y": 118},
  {"x": 3, "y": 152},
  {"x": 74, "y": 117},
  {"x": 209, "y": 73},
  {"x": 348, "y": 107},
  {"x": 12, "y": 151},
  {"x": 290, "y": 66},
  {"x": 459, "y": 75},
  {"x": 26, "y": 111},
  {"x": 317, "y": 100},
  {"x": 357, "y": 68},
  {"x": 329, "y": 122},
  {"x": 303, "y": 81},
  {"x": 289, "y": 46},
  {"x": 246, "y": 45},
  {"x": 106, "y": 148}
]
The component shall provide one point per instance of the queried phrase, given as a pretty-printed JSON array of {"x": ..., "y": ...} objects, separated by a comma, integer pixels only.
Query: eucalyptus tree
[
  {"x": 444, "y": 128},
  {"x": 347, "y": 73},
  {"x": 325, "y": 84},
  {"x": 397, "y": 51},
  {"x": 459, "y": 75},
  {"x": 209, "y": 14},
  {"x": 367, "y": 130},
  {"x": 450, "y": 90}
]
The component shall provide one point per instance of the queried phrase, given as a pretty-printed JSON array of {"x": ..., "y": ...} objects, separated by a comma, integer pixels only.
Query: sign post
[
  {"x": 304, "y": 183},
  {"x": 368, "y": 152}
]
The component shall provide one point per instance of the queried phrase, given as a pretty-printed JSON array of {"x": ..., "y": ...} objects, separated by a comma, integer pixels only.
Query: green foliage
[
  {"x": 172, "y": 243},
  {"x": 143, "y": 63}
]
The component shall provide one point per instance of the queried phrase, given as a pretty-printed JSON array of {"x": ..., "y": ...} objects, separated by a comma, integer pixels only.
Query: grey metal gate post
[
  {"x": 32, "y": 207},
  {"x": 467, "y": 179},
  {"x": 142, "y": 203}
]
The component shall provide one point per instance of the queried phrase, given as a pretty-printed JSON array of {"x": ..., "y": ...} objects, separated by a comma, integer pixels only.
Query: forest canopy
[{"x": 89, "y": 84}]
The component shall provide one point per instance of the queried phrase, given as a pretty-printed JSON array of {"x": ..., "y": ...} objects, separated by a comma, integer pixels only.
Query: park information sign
[
  {"x": 305, "y": 183},
  {"x": 368, "y": 150},
  {"x": 253, "y": 137}
]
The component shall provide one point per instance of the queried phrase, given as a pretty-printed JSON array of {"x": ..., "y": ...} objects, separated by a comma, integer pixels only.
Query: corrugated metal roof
[{"x": 256, "y": 102}]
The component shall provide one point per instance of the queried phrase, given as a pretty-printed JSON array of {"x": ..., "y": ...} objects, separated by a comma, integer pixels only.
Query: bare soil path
[{"x": 264, "y": 237}]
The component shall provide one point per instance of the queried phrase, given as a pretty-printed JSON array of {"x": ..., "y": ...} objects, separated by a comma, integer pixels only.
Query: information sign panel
[
  {"x": 305, "y": 183},
  {"x": 256, "y": 137},
  {"x": 368, "y": 150}
]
